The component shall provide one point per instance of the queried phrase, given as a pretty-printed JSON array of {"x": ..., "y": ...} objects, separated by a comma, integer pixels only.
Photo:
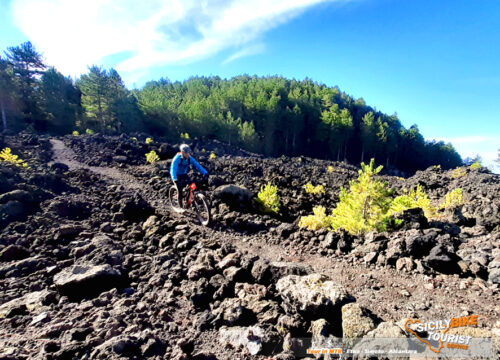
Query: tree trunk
[{"x": 4, "y": 117}]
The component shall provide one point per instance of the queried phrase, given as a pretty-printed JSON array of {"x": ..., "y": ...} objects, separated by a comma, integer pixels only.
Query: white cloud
[
  {"x": 247, "y": 51},
  {"x": 78, "y": 33}
]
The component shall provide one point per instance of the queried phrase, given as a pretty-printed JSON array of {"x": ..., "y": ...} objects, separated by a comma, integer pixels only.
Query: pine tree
[
  {"x": 248, "y": 136},
  {"x": 367, "y": 134},
  {"x": 95, "y": 100},
  {"x": 60, "y": 101},
  {"x": 364, "y": 206},
  {"x": 27, "y": 65},
  {"x": 9, "y": 95}
]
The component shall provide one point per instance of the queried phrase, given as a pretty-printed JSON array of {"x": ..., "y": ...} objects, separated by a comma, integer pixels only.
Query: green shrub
[
  {"x": 330, "y": 169},
  {"x": 6, "y": 156},
  {"x": 152, "y": 157},
  {"x": 149, "y": 141},
  {"x": 364, "y": 206},
  {"x": 89, "y": 132},
  {"x": 269, "y": 198},
  {"x": 185, "y": 136},
  {"x": 319, "y": 219},
  {"x": 75, "y": 133},
  {"x": 311, "y": 189},
  {"x": 212, "y": 156},
  {"x": 133, "y": 138},
  {"x": 453, "y": 199}
]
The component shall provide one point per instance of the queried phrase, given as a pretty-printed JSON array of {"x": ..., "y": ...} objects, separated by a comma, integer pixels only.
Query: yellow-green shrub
[
  {"x": 330, "y": 169},
  {"x": 269, "y": 198},
  {"x": 133, "y": 138},
  {"x": 364, "y": 206},
  {"x": 212, "y": 156},
  {"x": 452, "y": 199},
  {"x": 458, "y": 173},
  {"x": 149, "y": 141},
  {"x": 152, "y": 157},
  {"x": 319, "y": 219},
  {"x": 311, "y": 189},
  {"x": 476, "y": 165},
  {"x": 89, "y": 132},
  {"x": 6, "y": 156},
  {"x": 184, "y": 136},
  {"x": 75, "y": 133},
  {"x": 416, "y": 198}
]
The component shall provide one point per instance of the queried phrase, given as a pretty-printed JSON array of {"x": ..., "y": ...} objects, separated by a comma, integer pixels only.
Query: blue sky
[{"x": 435, "y": 63}]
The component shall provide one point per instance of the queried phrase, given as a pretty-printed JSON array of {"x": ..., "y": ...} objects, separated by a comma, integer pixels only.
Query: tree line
[{"x": 271, "y": 115}]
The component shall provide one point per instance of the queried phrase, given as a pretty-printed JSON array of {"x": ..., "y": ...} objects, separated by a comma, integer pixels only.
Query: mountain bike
[{"x": 195, "y": 198}]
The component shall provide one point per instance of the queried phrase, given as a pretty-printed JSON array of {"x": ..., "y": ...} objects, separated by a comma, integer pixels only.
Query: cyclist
[{"x": 180, "y": 167}]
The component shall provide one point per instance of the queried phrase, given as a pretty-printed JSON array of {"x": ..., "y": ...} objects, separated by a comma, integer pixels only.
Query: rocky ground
[{"x": 94, "y": 265}]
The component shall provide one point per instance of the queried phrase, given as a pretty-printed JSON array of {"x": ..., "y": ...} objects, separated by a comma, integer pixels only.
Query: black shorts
[{"x": 182, "y": 181}]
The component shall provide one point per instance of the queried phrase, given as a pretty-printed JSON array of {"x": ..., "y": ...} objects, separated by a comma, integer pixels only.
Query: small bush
[
  {"x": 212, "y": 156},
  {"x": 436, "y": 167},
  {"x": 89, "y": 132},
  {"x": 330, "y": 169},
  {"x": 311, "y": 189},
  {"x": 133, "y": 138},
  {"x": 416, "y": 198},
  {"x": 6, "y": 156},
  {"x": 184, "y": 136},
  {"x": 476, "y": 165},
  {"x": 453, "y": 199},
  {"x": 319, "y": 219},
  {"x": 364, "y": 207},
  {"x": 269, "y": 198},
  {"x": 299, "y": 160},
  {"x": 152, "y": 157},
  {"x": 149, "y": 141},
  {"x": 75, "y": 133},
  {"x": 458, "y": 173}
]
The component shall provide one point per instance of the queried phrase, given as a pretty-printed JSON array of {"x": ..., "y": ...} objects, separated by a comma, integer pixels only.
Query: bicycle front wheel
[
  {"x": 202, "y": 208},
  {"x": 174, "y": 199}
]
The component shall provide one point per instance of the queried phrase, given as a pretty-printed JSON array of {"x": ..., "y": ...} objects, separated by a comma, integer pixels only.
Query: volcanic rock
[{"x": 87, "y": 281}]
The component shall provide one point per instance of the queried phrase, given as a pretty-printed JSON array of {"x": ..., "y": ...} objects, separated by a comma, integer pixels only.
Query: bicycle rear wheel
[{"x": 202, "y": 208}]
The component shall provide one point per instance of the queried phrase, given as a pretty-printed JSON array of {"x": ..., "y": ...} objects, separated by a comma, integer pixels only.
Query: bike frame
[{"x": 192, "y": 187}]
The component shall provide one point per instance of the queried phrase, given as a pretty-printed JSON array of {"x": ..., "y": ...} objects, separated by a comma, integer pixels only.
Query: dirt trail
[
  {"x": 390, "y": 294},
  {"x": 67, "y": 156}
]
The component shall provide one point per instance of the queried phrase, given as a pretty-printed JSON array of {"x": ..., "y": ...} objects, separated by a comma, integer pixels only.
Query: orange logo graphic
[
  {"x": 441, "y": 345},
  {"x": 437, "y": 331}
]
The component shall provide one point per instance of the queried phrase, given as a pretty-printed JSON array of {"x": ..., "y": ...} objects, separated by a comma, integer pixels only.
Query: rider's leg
[{"x": 180, "y": 186}]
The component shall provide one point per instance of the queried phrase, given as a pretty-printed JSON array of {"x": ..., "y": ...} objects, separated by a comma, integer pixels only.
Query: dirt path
[
  {"x": 390, "y": 294},
  {"x": 67, "y": 156}
]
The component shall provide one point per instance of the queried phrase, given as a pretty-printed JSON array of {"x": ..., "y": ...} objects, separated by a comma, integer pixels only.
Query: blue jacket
[{"x": 180, "y": 166}]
